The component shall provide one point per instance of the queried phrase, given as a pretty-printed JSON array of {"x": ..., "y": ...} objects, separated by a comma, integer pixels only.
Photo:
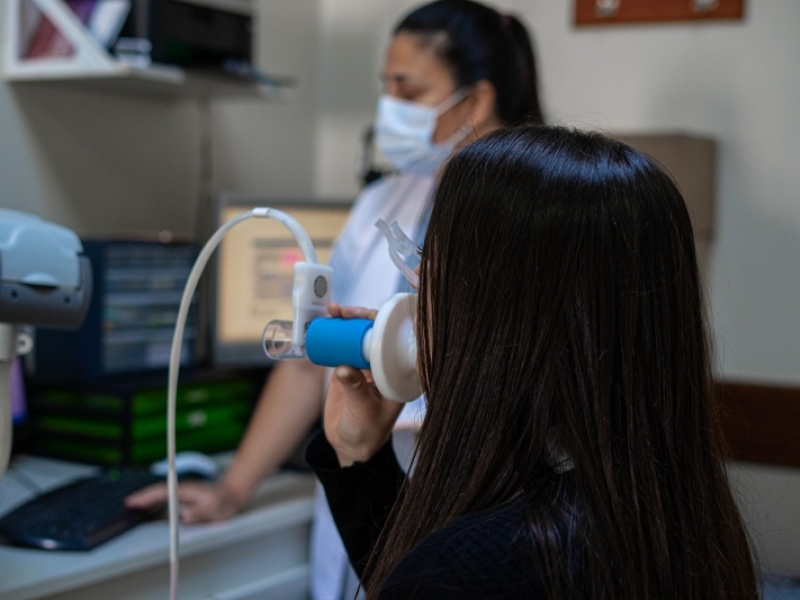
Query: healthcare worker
[{"x": 454, "y": 71}]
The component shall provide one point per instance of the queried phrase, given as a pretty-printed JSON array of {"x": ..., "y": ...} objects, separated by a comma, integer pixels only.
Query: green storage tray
[
  {"x": 125, "y": 422},
  {"x": 147, "y": 401},
  {"x": 144, "y": 427},
  {"x": 82, "y": 450}
]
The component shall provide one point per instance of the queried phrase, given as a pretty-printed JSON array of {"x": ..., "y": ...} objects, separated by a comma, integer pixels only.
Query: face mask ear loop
[
  {"x": 451, "y": 101},
  {"x": 460, "y": 134},
  {"x": 463, "y": 131},
  {"x": 399, "y": 246}
]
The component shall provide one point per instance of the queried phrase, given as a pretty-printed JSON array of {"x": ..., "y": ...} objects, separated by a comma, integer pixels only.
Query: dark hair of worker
[
  {"x": 564, "y": 355},
  {"x": 478, "y": 43}
]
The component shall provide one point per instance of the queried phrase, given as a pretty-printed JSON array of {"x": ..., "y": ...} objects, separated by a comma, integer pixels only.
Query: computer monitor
[{"x": 255, "y": 267}]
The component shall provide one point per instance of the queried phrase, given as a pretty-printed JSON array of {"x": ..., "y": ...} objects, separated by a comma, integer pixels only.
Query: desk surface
[{"x": 282, "y": 501}]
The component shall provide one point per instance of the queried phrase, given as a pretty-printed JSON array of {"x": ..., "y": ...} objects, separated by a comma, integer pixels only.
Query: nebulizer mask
[
  {"x": 404, "y": 133},
  {"x": 387, "y": 346}
]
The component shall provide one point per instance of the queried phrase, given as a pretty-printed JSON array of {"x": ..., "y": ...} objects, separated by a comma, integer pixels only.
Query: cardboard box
[{"x": 691, "y": 160}]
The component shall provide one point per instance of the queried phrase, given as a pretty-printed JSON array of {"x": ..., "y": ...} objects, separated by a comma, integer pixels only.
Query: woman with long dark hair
[{"x": 571, "y": 448}]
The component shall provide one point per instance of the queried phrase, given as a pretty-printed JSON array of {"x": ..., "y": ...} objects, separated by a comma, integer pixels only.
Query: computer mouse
[{"x": 189, "y": 465}]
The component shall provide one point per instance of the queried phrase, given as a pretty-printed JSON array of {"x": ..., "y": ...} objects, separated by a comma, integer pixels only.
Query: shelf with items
[{"x": 75, "y": 58}]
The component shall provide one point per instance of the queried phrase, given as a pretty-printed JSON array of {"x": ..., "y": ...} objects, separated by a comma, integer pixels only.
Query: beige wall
[
  {"x": 96, "y": 164},
  {"x": 737, "y": 82},
  {"x": 270, "y": 148},
  {"x": 99, "y": 163}
]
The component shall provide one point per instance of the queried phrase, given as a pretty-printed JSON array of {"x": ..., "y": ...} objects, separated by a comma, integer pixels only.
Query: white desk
[{"x": 262, "y": 553}]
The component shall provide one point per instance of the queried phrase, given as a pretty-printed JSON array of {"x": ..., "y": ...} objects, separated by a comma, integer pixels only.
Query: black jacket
[{"x": 481, "y": 555}]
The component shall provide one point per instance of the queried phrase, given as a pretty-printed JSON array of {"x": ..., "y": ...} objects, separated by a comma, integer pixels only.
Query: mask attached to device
[
  {"x": 404, "y": 133},
  {"x": 387, "y": 346},
  {"x": 400, "y": 247}
]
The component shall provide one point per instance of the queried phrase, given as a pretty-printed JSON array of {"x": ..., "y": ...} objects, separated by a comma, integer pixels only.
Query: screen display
[{"x": 255, "y": 272}]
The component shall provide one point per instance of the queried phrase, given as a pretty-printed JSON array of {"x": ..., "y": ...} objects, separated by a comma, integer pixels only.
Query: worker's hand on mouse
[
  {"x": 358, "y": 419},
  {"x": 199, "y": 501}
]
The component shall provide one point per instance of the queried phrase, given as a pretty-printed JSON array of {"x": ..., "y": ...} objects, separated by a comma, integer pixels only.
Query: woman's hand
[
  {"x": 358, "y": 419},
  {"x": 199, "y": 502}
]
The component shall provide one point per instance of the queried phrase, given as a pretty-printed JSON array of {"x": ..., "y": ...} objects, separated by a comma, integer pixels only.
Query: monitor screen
[{"x": 255, "y": 267}]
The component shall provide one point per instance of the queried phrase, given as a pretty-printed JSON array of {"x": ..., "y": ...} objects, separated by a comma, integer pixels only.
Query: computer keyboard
[{"x": 79, "y": 515}]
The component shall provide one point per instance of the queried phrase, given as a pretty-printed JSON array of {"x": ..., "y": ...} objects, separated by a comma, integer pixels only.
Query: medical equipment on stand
[{"x": 45, "y": 281}]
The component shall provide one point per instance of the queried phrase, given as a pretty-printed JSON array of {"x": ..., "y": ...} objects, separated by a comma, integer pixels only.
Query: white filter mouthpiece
[{"x": 393, "y": 349}]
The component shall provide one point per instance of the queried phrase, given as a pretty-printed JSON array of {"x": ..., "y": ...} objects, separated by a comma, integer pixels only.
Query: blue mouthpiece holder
[{"x": 336, "y": 342}]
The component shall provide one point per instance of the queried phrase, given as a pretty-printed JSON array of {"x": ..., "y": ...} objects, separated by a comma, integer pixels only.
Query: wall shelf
[{"x": 91, "y": 67}]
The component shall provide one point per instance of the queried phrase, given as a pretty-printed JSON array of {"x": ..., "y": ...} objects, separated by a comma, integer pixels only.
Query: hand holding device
[
  {"x": 387, "y": 347},
  {"x": 358, "y": 418}
]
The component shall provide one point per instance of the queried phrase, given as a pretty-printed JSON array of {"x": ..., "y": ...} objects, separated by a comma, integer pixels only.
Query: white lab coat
[{"x": 364, "y": 275}]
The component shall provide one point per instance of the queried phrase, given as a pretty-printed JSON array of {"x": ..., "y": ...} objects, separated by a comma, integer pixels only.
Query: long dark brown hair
[{"x": 560, "y": 313}]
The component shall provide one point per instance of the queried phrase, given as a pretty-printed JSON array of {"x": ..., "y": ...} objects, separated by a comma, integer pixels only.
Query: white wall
[
  {"x": 353, "y": 37},
  {"x": 269, "y": 148},
  {"x": 96, "y": 164},
  {"x": 737, "y": 82},
  {"x": 101, "y": 164}
]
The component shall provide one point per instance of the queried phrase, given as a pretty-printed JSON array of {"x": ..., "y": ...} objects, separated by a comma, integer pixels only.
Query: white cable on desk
[{"x": 309, "y": 254}]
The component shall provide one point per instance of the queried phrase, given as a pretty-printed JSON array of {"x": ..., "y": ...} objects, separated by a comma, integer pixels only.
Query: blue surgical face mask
[{"x": 404, "y": 133}]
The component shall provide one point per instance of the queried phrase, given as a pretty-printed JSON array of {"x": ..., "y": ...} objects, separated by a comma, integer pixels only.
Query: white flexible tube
[
  {"x": 309, "y": 254},
  {"x": 300, "y": 235}
]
